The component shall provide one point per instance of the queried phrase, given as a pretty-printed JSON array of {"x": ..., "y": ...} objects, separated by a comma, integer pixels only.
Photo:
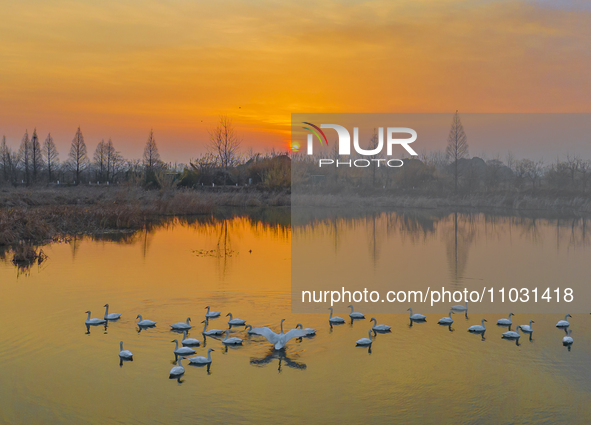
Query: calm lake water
[{"x": 53, "y": 371}]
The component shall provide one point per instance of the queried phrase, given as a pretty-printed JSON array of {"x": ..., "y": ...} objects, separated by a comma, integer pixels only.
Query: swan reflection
[{"x": 280, "y": 355}]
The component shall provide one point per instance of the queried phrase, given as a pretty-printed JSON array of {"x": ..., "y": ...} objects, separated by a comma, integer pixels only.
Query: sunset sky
[{"x": 119, "y": 68}]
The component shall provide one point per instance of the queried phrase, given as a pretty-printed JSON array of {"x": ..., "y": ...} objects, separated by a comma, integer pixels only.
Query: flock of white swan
[{"x": 279, "y": 340}]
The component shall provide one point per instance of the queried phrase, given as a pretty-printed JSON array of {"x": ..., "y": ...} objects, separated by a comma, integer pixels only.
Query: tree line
[
  {"x": 451, "y": 171},
  {"x": 36, "y": 162}
]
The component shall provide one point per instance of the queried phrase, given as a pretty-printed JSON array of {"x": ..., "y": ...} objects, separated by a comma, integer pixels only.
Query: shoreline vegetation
[
  {"x": 43, "y": 198},
  {"x": 40, "y": 214}
]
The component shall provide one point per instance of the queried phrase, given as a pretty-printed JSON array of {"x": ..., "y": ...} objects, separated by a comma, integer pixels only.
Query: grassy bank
[
  {"x": 40, "y": 214},
  {"x": 37, "y": 215}
]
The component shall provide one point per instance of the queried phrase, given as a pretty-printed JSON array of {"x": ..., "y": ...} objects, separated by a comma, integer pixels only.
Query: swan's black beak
[{"x": 533, "y": 321}]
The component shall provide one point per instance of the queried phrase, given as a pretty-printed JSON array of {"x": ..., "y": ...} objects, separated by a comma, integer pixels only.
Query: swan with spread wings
[{"x": 279, "y": 340}]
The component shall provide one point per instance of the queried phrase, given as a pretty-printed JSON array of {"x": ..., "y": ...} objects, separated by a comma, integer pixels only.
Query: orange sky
[{"x": 118, "y": 68}]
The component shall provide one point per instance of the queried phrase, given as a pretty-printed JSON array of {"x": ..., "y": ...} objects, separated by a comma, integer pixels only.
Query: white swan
[
  {"x": 478, "y": 328},
  {"x": 563, "y": 323},
  {"x": 460, "y": 307},
  {"x": 235, "y": 322},
  {"x": 446, "y": 320},
  {"x": 144, "y": 322},
  {"x": 355, "y": 314},
  {"x": 211, "y": 314},
  {"x": 309, "y": 331},
  {"x": 365, "y": 341},
  {"x": 124, "y": 354},
  {"x": 249, "y": 330},
  {"x": 93, "y": 321},
  {"x": 181, "y": 351},
  {"x": 416, "y": 316},
  {"x": 279, "y": 340},
  {"x": 568, "y": 340},
  {"x": 181, "y": 325},
  {"x": 377, "y": 327},
  {"x": 512, "y": 334},
  {"x": 528, "y": 328},
  {"x": 231, "y": 341},
  {"x": 211, "y": 331},
  {"x": 201, "y": 359},
  {"x": 335, "y": 319},
  {"x": 112, "y": 316},
  {"x": 189, "y": 341},
  {"x": 505, "y": 322},
  {"x": 177, "y": 370}
]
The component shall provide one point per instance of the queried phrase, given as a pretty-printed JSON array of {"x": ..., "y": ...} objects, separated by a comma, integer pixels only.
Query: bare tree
[
  {"x": 100, "y": 160},
  {"x": 585, "y": 171},
  {"x": 78, "y": 157},
  {"x": 571, "y": 165},
  {"x": 531, "y": 170},
  {"x": 457, "y": 146},
  {"x": 51, "y": 156},
  {"x": 224, "y": 143},
  {"x": 151, "y": 154},
  {"x": 5, "y": 159},
  {"x": 24, "y": 152},
  {"x": 36, "y": 156},
  {"x": 114, "y": 161}
]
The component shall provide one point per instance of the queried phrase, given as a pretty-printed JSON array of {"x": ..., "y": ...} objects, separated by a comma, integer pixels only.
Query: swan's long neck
[
  {"x": 88, "y": 316},
  {"x": 530, "y": 322},
  {"x": 281, "y": 326},
  {"x": 227, "y": 334},
  {"x": 209, "y": 354},
  {"x": 176, "y": 344},
  {"x": 517, "y": 330},
  {"x": 329, "y": 317},
  {"x": 565, "y": 317},
  {"x": 231, "y": 317},
  {"x": 482, "y": 323},
  {"x": 410, "y": 311},
  {"x": 207, "y": 309},
  {"x": 140, "y": 317},
  {"x": 510, "y": 314},
  {"x": 375, "y": 322},
  {"x": 369, "y": 333},
  {"x": 188, "y": 319},
  {"x": 121, "y": 346},
  {"x": 179, "y": 362},
  {"x": 205, "y": 326},
  {"x": 351, "y": 307},
  {"x": 185, "y": 335},
  {"x": 249, "y": 327},
  {"x": 106, "y": 309},
  {"x": 450, "y": 314}
]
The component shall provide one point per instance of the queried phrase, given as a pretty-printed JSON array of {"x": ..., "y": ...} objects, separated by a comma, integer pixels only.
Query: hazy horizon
[{"x": 118, "y": 69}]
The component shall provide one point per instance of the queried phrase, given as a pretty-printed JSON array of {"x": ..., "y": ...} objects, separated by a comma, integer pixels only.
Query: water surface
[{"x": 53, "y": 371}]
